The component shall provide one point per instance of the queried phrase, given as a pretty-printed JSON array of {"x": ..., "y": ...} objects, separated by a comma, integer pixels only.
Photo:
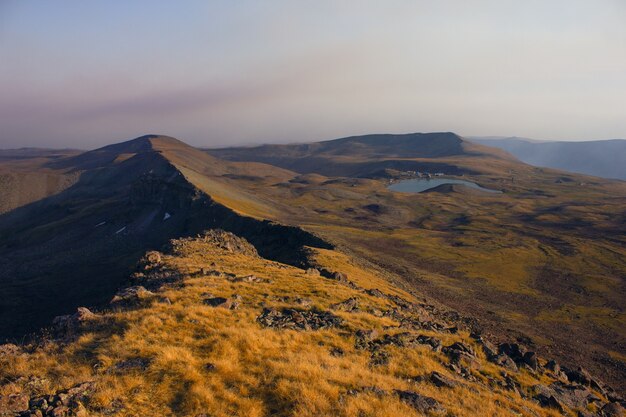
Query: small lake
[{"x": 418, "y": 185}]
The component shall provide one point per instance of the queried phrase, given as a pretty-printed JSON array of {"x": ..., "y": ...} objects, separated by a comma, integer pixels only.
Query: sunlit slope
[
  {"x": 221, "y": 179},
  {"x": 216, "y": 330}
]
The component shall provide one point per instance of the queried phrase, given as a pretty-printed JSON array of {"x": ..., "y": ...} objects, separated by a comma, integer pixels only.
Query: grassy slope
[
  {"x": 545, "y": 259},
  {"x": 254, "y": 371}
]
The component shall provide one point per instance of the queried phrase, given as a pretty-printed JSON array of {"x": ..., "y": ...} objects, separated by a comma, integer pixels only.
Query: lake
[{"x": 418, "y": 185}]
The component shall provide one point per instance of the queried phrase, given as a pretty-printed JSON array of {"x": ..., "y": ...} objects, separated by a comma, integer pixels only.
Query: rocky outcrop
[
  {"x": 68, "y": 326},
  {"x": 229, "y": 242},
  {"x": 289, "y": 318}
]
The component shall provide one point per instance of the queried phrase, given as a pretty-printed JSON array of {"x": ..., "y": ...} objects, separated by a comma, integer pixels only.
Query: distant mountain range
[
  {"x": 372, "y": 155},
  {"x": 602, "y": 158}
]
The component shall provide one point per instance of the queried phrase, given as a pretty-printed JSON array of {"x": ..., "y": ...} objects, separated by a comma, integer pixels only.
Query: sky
[{"x": 83, "y": 74}]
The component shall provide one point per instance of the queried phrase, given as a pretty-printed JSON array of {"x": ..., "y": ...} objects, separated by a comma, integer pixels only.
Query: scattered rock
[
  {"x": 289, "y": 318},
  {"x": 349, "y": 305},
  {"x": 420, "y": 403}
]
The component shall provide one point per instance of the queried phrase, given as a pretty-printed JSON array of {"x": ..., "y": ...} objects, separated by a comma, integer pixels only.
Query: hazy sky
[{"x": 87, "y": 73}]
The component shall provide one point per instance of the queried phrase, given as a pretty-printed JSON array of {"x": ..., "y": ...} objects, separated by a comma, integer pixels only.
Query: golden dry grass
[{"x": 202, "y": 359}]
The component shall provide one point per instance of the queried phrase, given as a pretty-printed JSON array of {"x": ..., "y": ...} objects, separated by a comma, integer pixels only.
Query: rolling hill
[{"x": 371, "y": 155}]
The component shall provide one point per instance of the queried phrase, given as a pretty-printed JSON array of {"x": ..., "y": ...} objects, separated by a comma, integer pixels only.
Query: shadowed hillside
[{"x": 78, "y": 245}]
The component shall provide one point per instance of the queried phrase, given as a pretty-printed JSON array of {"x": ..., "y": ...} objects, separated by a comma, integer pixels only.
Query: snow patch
[
  {"x": 121, "y": 230},
  {"x": 166, "y": 216},
  {"x": 100, "y": 224}
]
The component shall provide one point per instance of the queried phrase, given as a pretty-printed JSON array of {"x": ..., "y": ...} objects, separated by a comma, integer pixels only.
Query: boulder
[
  {"x": 340, "y": 276},
  {"x": 459, "y": 352},
  {"x": 375, "y": 292},
  {"x": 442, "y": 381},
  {"x": 231, "y": 303},
  {"x": 313, "y": 272},
  {"x": 573, "y": 396},
  {"x": 505, "y": 362},
  {"x": 530, "y": 359},
  {"x": 69, "y": 325},
  {"x": 513, "y": 351},
  {"x": 546, "y": 397},
  {"x": 151, "y": 260},
  {"x": 130, "y": 296},
  {"x": 420, "y": 403}
]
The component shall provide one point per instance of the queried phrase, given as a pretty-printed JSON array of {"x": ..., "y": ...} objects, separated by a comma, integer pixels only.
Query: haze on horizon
[{"x": 84, "y": 74}]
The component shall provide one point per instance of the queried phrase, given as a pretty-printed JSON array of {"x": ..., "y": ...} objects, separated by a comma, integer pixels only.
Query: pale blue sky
[{"x": 86, "y": 73}]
